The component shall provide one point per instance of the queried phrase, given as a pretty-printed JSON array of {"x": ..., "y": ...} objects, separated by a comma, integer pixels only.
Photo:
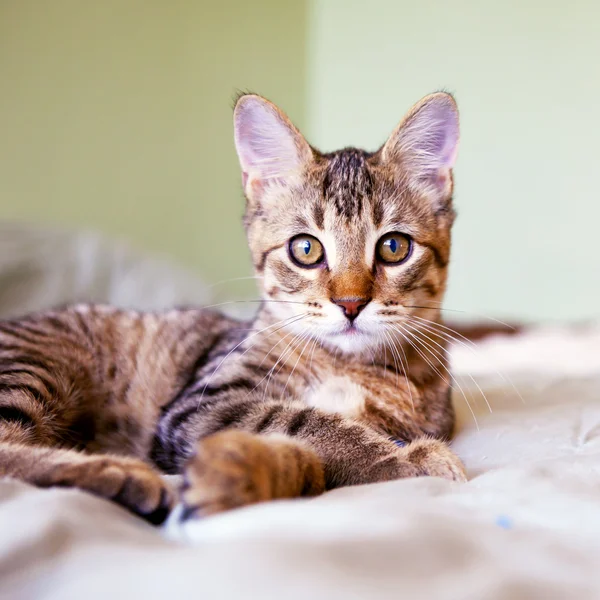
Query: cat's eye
[
  {"x": 394, "y": 248},
  {"x": 306, "y": 250}
]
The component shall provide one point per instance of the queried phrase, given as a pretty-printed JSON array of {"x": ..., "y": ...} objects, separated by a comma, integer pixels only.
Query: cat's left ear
[
  {"x": 271, "y": 150},
  {"x": 425, "y": 144}
]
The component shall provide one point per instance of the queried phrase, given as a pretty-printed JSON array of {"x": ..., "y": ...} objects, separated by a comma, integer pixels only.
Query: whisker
[
  {"x": 309, "y": 336},
  {"x": 285, "y": 337},
  {"x": 466, "y": 312},
  {"x": 435, "y": 353},
  {"x": 467, "y": 343},
  {"x": 391, "y": 346},
  {"x": 401, "y": 331},
  {"x": 261, "y": 301},
  {"x": 224, "y": 281},
  {"x": 285, "y": 353},
  {"x": 404, "y": 368},
  {"x": 408, "y": 382},
  {"x": 286, "y": 322},
  {"x": 410, "y": 326},
  {"x": 312, "y": 355},
  {"x": 381, "y": 345},
  {"x": 453, "y": 332},
  {"x": 295, "y": 344}
]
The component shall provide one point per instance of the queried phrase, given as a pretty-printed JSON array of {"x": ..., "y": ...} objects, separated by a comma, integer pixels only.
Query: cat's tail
[{"x": 234, "y": 468}]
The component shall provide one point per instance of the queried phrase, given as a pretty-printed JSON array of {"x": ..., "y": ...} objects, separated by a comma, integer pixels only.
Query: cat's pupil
[
  {"x": 393, "y": 245},
  {"x": 307, "y": 247}
]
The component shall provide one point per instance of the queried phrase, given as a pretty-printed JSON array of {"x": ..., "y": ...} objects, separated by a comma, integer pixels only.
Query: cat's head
[{"x": 348, "y": 244}]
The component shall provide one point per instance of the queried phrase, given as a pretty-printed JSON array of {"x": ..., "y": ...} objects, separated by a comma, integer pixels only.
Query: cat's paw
[
  {"x": 234, "y": 468},
  {"x": 435, "y": 459},
  {"x": 129, "y": 482}
]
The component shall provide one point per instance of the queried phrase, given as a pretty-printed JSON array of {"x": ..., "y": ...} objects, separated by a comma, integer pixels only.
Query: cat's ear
[
  {"x": 425, "y": 144},
  {"x": 270, "y": 148}
]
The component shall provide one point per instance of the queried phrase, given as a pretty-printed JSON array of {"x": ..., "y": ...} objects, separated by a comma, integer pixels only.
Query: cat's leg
[
  {"x": 127, "y": 481},
  {"x": 288, "y": 450},
  {"x": 51, "y": 408},
  {"x": 234, "y": 468},
  {"x": 32, "y": 449}
]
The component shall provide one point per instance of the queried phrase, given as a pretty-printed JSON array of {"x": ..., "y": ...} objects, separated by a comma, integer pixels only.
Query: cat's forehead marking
[
  {"x": 348, "y": 183},
  {"x": 344, "y": 238}
]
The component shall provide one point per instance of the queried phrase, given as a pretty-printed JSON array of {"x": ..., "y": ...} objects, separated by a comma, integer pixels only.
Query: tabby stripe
[
  {"x": 177, "y": 419},
  {"x": 268, "y": 418},
  {"x": 31, "y": 328},
  {"x": 200, "y": 362},
  {"x": 440, "y": 261},
  {"x": 258, "y": 369},
  {"x": 15, "y": 364},
  {"x": 59, "y": 324},
  {"x": 429, "y": 288},
  {"x": 9, "y": 348},
  {"x": 231, "y": 414},
  {"x": 180, "y": 418},
  {"x": 319, "y": 215},
  {"x": 224, "y": 353},
  {"x": 16, "y": 415},
  {"x": 27, "y": 360},
  {"x": 206, "y": 391},
  {"x": 82, "y": 320},
  {"x": 160, "y": 457},
  {"x": 50, "y": 387},
  {"x": 298, "y": 421},
  {"x": 18, "y": 372},
  {"x": 168, "y": 447},
  {"x": 9, "y": 387},
  {"x": 17, "y": 332},
  {"x": 378, "y": 212},
  {"x": 263, "y": 259}
]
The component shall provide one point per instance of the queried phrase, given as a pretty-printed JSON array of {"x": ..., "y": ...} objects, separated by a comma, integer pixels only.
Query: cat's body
[{"x": 345, "y": 357}]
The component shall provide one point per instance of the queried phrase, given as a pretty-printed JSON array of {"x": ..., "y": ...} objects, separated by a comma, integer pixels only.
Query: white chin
[{"x": 351, "y": 343}]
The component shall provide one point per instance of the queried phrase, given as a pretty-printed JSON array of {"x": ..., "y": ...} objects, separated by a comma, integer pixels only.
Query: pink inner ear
[
  {"x": 265, "y": 143},
  {"x": 429, "y": 141},
  {"x": 446, "y": 145}
]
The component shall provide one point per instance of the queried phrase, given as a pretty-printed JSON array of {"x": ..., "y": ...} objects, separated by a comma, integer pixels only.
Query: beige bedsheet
[{"x": 526, "y": 525}]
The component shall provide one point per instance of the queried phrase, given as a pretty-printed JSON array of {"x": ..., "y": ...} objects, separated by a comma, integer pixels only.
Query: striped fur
[{"x": 300, "y": 399}]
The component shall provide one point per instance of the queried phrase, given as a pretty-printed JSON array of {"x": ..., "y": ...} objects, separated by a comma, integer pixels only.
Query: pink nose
[{"x": 351, "y": 306}]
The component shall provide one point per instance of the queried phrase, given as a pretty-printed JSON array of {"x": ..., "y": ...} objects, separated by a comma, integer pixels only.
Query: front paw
[
  {"x": 232, "y": 469},
  {"x": 224, "y": 474},
  {"x": 126, "y": 481},
  {"x": 434, "y": 459}
]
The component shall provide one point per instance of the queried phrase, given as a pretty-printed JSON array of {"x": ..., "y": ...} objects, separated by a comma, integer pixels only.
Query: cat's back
[
  {"x": 103, "y": 373},
  {"x": 122, "y": 352},
  {"x": 94, "y": 326}
]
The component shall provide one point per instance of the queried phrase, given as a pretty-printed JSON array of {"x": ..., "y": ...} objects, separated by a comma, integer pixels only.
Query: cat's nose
[{"x": 351, "y": 306}]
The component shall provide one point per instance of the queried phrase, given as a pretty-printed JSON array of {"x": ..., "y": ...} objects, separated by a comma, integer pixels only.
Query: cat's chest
[{"x": 337, "y": 394}]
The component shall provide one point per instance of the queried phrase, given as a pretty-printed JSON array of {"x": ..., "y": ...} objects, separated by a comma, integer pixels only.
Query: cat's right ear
[
  {"x": 271, "y": 150},
  {"x": 425, "y": 144}
]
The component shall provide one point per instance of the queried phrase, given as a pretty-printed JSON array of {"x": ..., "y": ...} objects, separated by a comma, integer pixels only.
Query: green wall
[
  {"x": 527, "y": 81},
  {"x": 116, "y": 115}
]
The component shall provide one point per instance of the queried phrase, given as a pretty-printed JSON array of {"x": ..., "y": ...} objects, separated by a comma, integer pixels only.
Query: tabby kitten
[{"x": 330, "y": 385}]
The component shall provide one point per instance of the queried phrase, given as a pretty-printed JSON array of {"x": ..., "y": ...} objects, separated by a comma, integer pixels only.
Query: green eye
[
  {"x": 306, "y": 250},
  {"x": 393, "y": 248}
]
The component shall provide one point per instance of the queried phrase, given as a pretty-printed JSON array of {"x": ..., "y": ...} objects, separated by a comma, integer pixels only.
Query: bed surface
[{"x": 526, "y": 525}]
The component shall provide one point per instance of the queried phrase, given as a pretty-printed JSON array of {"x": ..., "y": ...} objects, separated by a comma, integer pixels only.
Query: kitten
[{"x": 339, "y": 380}]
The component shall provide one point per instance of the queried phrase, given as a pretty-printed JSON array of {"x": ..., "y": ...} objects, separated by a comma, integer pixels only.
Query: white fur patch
[{"x": 337, "y": 395}]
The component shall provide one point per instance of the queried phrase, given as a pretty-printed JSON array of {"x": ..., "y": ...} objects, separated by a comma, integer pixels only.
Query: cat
[{"x": 339, "y": 380}]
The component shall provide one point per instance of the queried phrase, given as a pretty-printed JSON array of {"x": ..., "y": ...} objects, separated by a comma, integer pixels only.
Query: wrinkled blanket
[{"x": 526, "y": 525}]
